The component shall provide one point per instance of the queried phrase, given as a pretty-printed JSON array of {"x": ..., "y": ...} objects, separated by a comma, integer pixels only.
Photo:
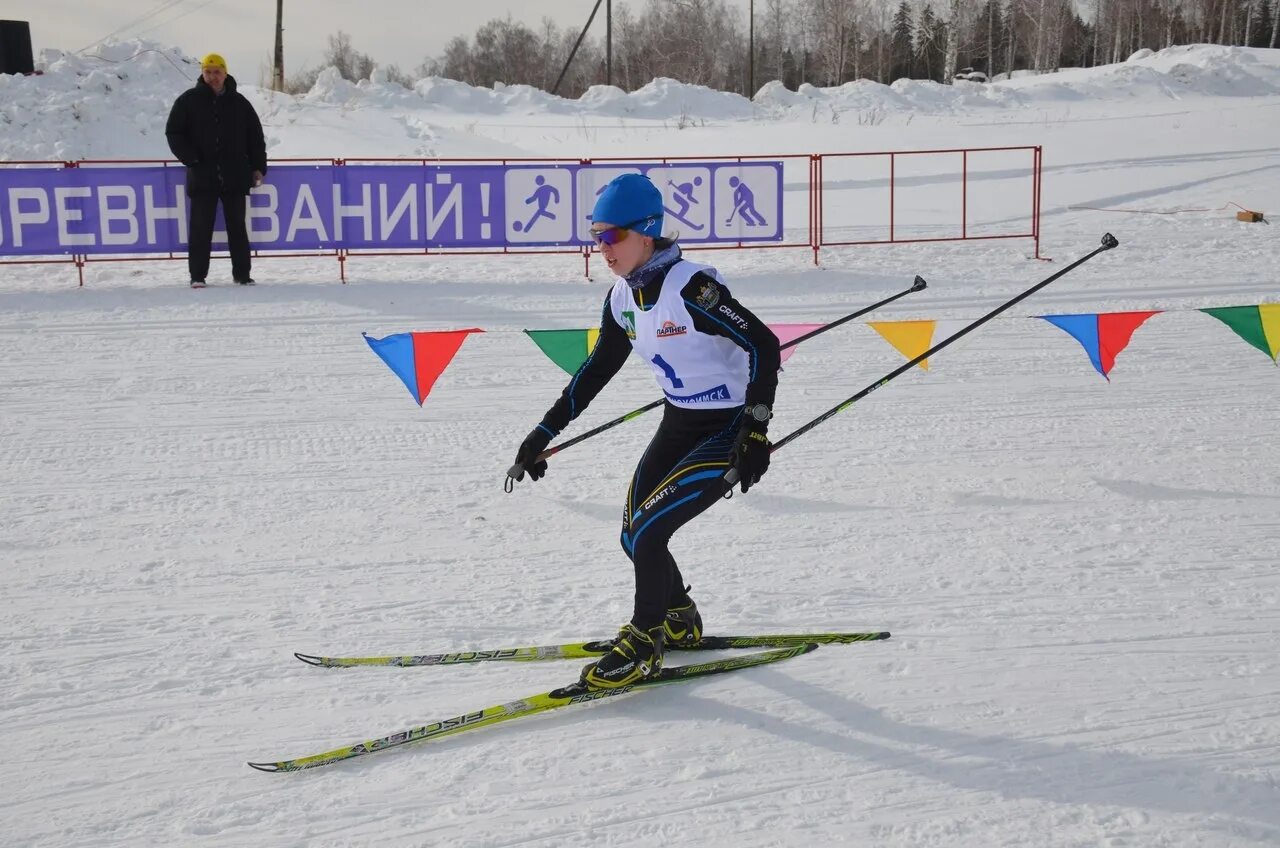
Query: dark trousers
[
  {"x": 680, "y": 476},
  {"x": 200, "y": 233}
]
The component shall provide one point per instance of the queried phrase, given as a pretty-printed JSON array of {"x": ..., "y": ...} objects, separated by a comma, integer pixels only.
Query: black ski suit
[{"x": 681, "y": 472}]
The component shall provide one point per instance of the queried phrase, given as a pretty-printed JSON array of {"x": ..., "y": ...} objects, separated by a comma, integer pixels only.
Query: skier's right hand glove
[
  {"x": 750, "y": 455},
  {"x": 527, "y": 457}
]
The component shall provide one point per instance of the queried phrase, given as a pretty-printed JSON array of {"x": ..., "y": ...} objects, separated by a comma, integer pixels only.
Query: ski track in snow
[{"x": 1079, "y": 576}]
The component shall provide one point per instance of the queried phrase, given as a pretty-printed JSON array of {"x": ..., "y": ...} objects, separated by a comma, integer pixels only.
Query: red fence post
[
  {"x": 893, "y": 159},
  {"x": 815, "y": 202},
  {"x": 1038, "y": 166}
]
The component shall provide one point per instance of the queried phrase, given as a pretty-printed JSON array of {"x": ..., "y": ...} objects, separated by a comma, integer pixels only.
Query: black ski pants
[
  {"x": 679, "y": 476},
  {"x": 200, "y": 233}
]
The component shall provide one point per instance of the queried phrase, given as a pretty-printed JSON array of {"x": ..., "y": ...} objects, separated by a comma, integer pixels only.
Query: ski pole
[
  {"x": 1108, "y": 241},
  {"x": 516, "y": 472}
]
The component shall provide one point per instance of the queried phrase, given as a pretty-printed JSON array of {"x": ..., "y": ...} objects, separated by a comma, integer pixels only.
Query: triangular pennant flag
[
  {"x": 397, "y": 352},
  {"x": 1114, "y": 331},
  {"x": 1102, "y": 336},
  {"x": 418, "y": 359},
  {"x": 1270, "y": 315},
  {"x": 910, "y": 338},
  {"x": 566, "y": 348},
  {"x": 1257, "y": 325},
  {"x": 570, "y": 348},
  {"x": 1084, "y": 329},
  {"x": 790, "y": 332}
]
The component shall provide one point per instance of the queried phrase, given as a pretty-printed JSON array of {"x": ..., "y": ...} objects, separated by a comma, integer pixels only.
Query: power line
[
  {"x": 175, "y": 18},
  {"x": 164, "y": 6}
]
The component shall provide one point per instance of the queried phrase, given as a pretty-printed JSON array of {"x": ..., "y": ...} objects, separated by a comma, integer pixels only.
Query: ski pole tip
[
  {"x": 919, "y": 284},
  {"x": 1109, "y": 241}
]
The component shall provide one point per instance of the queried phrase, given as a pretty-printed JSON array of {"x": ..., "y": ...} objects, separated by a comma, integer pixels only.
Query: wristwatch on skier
[{"x": 758, "y": 411}]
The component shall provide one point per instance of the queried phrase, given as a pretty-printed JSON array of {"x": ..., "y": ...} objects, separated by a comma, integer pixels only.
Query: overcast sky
[{"x": 400, "y": 32}]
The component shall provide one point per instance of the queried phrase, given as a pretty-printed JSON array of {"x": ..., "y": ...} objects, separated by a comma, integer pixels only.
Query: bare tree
[
  {"x": 351, "y": 64},
  {"x": 828, "y": 42},
  {"x": 930, "y": 38},
  {"x": 777, "y": 37},
  {"x": 832, "y": 27},
  {"x": 960, "y": 20},
  {"x": 879, "y": 17}
]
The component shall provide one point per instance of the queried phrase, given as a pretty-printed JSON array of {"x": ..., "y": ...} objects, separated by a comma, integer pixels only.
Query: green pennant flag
[
  {"x": 1257, "y": 325},
  {"x": 566, "y": 348}
]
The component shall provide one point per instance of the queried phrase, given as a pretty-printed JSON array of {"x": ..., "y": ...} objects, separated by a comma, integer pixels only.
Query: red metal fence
[{"x": 829, "y": 200}]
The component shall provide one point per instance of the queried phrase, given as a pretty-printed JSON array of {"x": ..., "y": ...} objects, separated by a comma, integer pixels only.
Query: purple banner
[{"x": 104, "y": 210}]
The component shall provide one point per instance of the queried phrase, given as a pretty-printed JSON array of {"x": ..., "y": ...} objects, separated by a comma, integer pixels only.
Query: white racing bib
[{"x": 694, "y": 370}]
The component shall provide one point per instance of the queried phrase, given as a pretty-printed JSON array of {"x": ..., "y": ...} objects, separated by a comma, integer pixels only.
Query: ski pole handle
[
  {"x": 731, "y": 477},
  {"x": 1109, "y": 242}
]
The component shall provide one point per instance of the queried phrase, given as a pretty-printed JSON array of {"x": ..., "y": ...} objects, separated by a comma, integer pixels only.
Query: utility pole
[
  {"x": 608, "y": 42},
  {"x": 277, "y": 66},
  {"x": 751, "y": 49},
  {"x": 578, "y": 43}
]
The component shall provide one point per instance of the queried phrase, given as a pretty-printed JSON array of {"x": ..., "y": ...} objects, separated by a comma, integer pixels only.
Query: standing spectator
[{"x": 215, "y": 132}]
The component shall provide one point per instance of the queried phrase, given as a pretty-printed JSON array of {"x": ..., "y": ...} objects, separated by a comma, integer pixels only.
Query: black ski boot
[
  {"x": 636, "y": 654},
  {"x": 683, "y": 625}
]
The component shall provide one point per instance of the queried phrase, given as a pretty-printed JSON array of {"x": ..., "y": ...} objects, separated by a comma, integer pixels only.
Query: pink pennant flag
[{"x": 789, "y": 332}]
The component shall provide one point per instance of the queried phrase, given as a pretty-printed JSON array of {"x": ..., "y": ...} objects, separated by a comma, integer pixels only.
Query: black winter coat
[{"x": 219, "y": 139}]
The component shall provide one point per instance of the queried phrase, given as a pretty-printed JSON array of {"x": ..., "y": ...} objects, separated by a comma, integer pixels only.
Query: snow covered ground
[{"x": 1080, "y": 576}]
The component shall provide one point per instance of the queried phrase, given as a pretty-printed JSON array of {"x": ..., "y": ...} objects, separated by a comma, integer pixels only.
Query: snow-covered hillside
[{"x": 114, "y": 105}]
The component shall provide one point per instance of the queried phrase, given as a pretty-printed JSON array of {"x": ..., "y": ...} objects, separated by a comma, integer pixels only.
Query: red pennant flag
[
  {"x": 1114, "y": 331},
  {"x": 1102, "y": 336}
]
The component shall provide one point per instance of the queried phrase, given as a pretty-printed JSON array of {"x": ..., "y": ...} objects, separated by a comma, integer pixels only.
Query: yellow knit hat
[{"x": 213, "y": 60}]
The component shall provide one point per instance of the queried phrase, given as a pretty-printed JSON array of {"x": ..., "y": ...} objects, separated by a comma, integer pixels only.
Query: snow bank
[
  {"x": 114, "y": 104},
  {"x": 111, "y": 104}
]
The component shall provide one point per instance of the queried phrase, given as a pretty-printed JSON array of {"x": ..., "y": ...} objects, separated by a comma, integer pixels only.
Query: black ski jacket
[{"x": 219, "y": 139}]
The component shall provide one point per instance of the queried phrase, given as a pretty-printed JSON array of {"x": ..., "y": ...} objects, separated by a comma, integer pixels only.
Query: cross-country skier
[{"x": 717, "y": 364}]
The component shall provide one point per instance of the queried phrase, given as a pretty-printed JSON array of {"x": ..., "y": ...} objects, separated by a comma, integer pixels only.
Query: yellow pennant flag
[
  {"x": 1270, "y": 315},
  {"x": 911, "y": 338}
]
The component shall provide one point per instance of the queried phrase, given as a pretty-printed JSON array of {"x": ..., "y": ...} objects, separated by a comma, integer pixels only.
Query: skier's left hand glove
[
  {"x": 751, "y": 453},
  {"x": 527, "y": 457}
]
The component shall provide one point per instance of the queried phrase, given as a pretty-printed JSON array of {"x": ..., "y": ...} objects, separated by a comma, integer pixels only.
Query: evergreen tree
[
  {"x": 930, "y": 38},
  {"x": 1009, "y": 47},
  {"x": 901, "y": 51},
  {"x": 1261, "y": 35},
  {"x": 1077, "y": 42},
  {"x": 988, "y": 35}
]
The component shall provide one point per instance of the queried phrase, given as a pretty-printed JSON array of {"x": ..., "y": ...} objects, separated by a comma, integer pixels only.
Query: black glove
[
  {"x": 750, "y": 455},
  {"x": 527, "y": 457}
]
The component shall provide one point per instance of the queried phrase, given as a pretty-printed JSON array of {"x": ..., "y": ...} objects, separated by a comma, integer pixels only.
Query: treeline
[{"x": 825, "y": 42}]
